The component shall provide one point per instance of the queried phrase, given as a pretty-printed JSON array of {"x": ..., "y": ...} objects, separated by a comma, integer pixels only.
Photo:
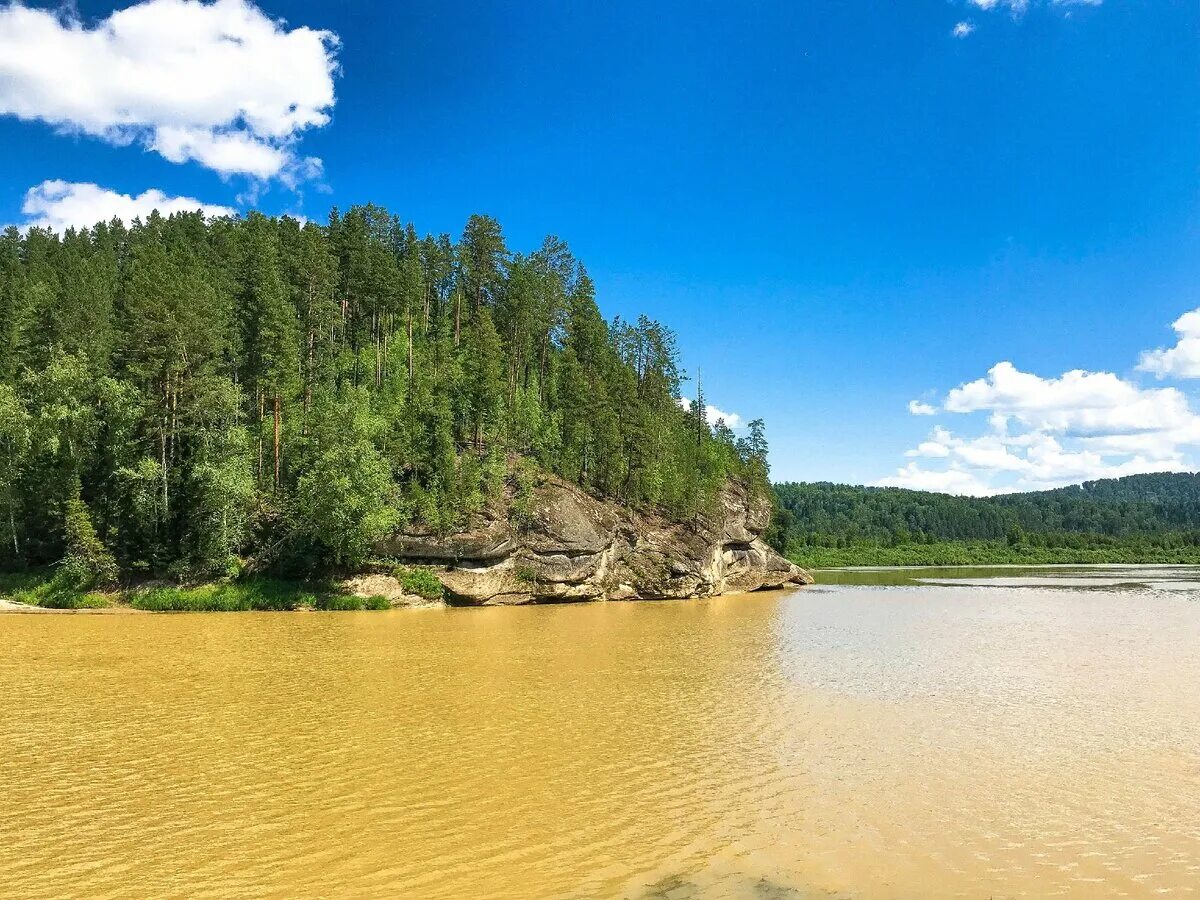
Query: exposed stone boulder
[{"x": 574, "y": 547}]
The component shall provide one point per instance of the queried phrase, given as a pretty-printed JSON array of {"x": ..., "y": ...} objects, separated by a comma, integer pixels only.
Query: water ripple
[{"x": 948, "y": 741}]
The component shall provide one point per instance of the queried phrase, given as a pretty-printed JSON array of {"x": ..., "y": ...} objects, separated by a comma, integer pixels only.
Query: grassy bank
[
  {"x": 41, "y": 588},
  {"x": 257, "y": 594},
  {"x": 985, "y": 553}
]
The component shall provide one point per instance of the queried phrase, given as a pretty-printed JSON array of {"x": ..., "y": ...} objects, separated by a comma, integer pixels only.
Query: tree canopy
[
  {"x": 182, "y": 393},
  {"x": 835, "y": 515}
]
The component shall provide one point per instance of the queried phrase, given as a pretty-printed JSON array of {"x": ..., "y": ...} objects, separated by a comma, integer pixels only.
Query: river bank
[
  {"x": 15, "y": 607},
  {"x": 559, "y": 544},
  {"x": 404, "y": 588},
  {"x": 41, "y": 591}
]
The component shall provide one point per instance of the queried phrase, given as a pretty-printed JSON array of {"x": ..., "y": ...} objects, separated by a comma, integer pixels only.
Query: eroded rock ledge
[{"x": 574, "y": 547}]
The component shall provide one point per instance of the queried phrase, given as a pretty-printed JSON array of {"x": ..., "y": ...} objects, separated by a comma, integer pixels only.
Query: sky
[{"x": 939, "y": 244}]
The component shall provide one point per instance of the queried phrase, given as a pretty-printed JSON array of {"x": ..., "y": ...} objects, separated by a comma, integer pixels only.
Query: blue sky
[{"x": 841, "y": 207}]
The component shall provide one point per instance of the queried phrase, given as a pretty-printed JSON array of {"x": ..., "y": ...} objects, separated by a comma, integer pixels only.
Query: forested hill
[
  {"x": 179, "y": 395},
  {"x": 833, "y": 515}
]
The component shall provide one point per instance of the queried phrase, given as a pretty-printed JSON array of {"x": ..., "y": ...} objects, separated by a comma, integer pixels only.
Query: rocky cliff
[{"x": 570, "y": 546}]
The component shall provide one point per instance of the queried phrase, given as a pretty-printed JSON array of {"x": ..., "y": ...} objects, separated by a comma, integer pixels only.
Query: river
[{"x": 993, "y": 733}]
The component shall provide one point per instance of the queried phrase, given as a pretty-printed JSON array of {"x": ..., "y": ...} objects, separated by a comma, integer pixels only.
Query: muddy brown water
[{"x": 973, "y": 737}]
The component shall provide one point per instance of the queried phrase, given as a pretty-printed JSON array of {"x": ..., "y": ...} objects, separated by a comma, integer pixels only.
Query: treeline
[
  {"x": 1159, "y": 511},
  {"x": 1178, "y": 548},
  {"x": 181, "y": 394}
]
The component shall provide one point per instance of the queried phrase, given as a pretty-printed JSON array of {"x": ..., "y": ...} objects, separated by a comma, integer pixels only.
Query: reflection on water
[{"x": 923, "y": 741}]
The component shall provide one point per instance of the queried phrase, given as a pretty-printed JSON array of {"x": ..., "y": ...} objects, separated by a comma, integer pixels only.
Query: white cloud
[
  {"x": 232, "y": 151},
  {"x": 963, "y": 29},
  {"x": 1047, "y": 432},
  {"x": 712, "y": 414},
  {"x": 987, "y": 465},
  {"x": 933, "y": 449},
  {"x": 733, "y": 420},
  {"x": 219, "y": 83},
  {"x": 1077, "y": 403},
  {"x": 59, "y": 205},
  {"x": 947, "y": 481},
  {"x": 938, "y": 444},
  {"x": 1182, "y": 360}
]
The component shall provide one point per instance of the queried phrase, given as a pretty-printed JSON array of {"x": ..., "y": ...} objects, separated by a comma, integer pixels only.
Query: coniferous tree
[{"x": 204, "y": 392}]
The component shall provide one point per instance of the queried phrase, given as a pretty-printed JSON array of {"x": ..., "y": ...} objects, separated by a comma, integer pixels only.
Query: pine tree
[
  {"x": 202, "y": 389},
  {"x": 14, "y": 448}
]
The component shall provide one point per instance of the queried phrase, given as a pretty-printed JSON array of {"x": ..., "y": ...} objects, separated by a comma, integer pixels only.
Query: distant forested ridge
[
  {"x": 181, "y": 394},
  {"x": 1160, "y": 509}
]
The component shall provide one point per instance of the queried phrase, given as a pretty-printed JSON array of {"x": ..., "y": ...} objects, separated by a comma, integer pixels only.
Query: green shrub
[
  {"x": 57, "y": 591},
  {"x": 88, "y": 562},
  {"x": 421, "y": 582},
  {"x": 185, "y": 600},
  {"x": 261, "y": 594},
  {"x": 11, "y": 582},
  {"x": 23, "y": 586},
  {"x": 67, "y": 599},
  {"x": 522, "y": 510},
  {"x": 258, "y": 594},
  {"x": 526, "y": 574}
]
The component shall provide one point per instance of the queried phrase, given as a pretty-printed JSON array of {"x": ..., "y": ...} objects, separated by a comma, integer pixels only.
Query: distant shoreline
[{"x": 989, "y": 553}]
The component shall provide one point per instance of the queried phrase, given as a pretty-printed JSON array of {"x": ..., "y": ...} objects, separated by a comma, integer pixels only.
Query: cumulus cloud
[
  {"x": 1182, "y": 360},
  {"x": 733, "y": 420},
  {"x": 946, "y": 481},
  {"x": 1047, "y": 432},
  {"x": 1078, "y": 403},
  {"x": 963, "y": 29},
  {"x": 59, "y": 205},
  {"x": 936, "y": 447},
  {"x": 919, "y": 408},
  {"x": 219, "y": 83},
  {"x": 712, "y": 414}
]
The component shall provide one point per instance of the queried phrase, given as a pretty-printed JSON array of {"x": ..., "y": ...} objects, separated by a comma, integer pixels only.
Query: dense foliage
[
  {"x": 180, "y": 394},
  {"x": 1137, "y": 518},
  {"x": 1172, "y": 547}
]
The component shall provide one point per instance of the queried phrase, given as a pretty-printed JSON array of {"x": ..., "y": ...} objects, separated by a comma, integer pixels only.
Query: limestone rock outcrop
[{"x": 575, "y": 547}]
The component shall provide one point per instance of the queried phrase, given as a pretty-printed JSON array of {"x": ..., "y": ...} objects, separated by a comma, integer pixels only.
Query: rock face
[{"x": 574, "y": 547}]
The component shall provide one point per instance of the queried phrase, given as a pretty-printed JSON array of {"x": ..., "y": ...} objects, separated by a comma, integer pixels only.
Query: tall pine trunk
[
  {"x": 278, "y": 424},
  {"x": 410, "y": 346},
  {"x": 261, "y": 401},
  {"x": 457, "y": 315}
]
